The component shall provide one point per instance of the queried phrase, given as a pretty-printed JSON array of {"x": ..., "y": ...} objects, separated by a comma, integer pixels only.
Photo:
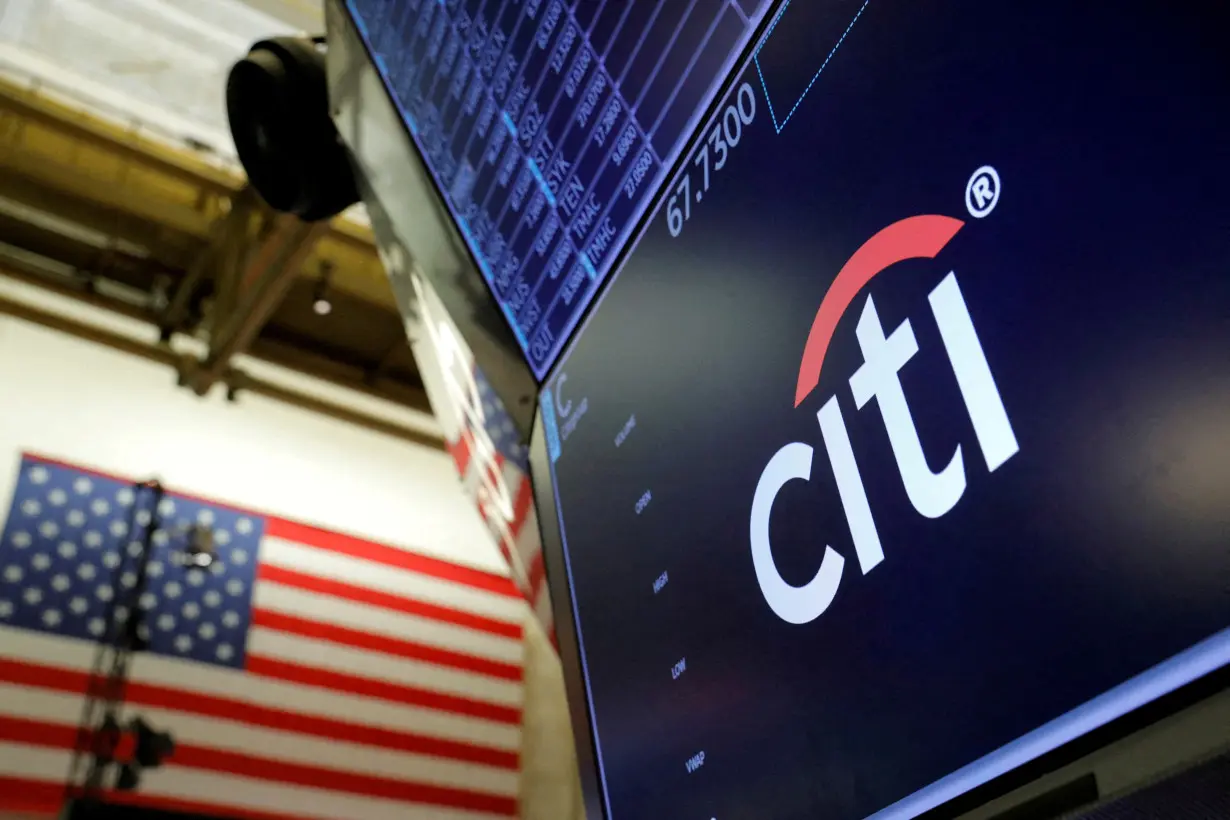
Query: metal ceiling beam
[
  {"x": 305, "y": 15},
  {"x": 229, "y": 242},
  {"x": 332, "y": 371},
  {"x": 261, "y": 284},
  {"x": 50, "y": 151},
  {"x": 20, "y": 188},
  {"x": 350, "y": 376},
  {"x": 138, "y": 209}
]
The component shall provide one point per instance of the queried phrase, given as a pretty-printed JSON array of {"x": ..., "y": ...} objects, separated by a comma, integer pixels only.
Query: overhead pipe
[
  {"x": 229, "y": 233},
  {"x": 50, "y": 276}
]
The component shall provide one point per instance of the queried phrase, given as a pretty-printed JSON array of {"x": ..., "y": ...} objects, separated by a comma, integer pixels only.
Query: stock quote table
[{"x": 548, "y": 125}]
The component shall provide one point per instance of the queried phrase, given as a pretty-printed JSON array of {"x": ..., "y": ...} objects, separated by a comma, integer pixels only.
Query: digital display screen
[
  {"x": 548, "y": 125},
  {"x": 897, "y": 452}
]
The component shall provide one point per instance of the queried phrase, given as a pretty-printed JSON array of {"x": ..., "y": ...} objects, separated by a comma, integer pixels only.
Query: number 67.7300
[{"x": 725, "y": 134}]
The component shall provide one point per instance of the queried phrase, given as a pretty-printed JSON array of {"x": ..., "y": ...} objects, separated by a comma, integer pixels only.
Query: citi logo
[{"x": 932, "y": 492}]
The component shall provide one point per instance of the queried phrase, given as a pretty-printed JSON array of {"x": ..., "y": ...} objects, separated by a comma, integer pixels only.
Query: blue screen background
[{"x": 1100, "y": 290}]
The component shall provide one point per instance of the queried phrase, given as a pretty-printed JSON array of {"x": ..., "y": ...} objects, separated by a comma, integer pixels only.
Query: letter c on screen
[
  {"x": 796, "y": 605},
  {"x": 562, "y": 408}
]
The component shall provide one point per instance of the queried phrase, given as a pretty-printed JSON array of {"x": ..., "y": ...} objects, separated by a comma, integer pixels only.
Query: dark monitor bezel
[
  {"x": 461, "y": 288},
  {"x": 542, "y": 478}
]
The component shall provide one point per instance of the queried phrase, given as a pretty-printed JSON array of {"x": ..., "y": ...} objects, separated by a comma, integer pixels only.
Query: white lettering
[
  {"x": 572, "y": 197},
  {"x": 624, "y": 145},
  {"x": 596, "y": 86},
  {"x": 505, "y": 75},
  {"x": 547, "y": 234},
  {"x": 609, "y": 116},
  {"x": 510, "y": 164},
  {"x": 578, "y": 72},
  {"x": 932, "y": 494},
  {"x": 585, "y": 219},
  {"x": 571, "y": 424},
  {"x": 643, "y": 163},
  {"x": 558, "y": 170},
  {"x": 549, "y": 22},
  {"x": 535, "y": 209},
  {"x": 572, "y": 284},
  {"x": 533, "y": 310},
  {"x": 622, "y": 435},
  {"x": 794, "y": 605},
  {"x": 519, "y": 98},
  {"x": 563, "y": 47},
  {"x": 558, "y": 260},
  {"x": 524, "y": 179},
  {"x": 485, "y": 117},
  {"x": 602, "y": 240},
  {"x": 969, "y": 363}
]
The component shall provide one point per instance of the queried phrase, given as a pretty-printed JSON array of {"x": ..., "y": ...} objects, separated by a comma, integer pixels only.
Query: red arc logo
[{"x": 916, "y": 237}]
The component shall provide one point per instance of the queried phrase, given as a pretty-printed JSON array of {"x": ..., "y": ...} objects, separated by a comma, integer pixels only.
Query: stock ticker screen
[
  {"x": 897, "y": 452},
  {"x": 548, "y": 125}
]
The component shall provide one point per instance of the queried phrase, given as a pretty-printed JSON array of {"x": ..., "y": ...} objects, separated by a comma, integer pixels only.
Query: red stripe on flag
[
  {"x": 195, "y": 807},
  {"x": 71, "y": 681},
  {"x": 245, "y": 765},
  {"x": 57, "y": 736},
  {"x": 389, "y": 556},
  {"x": 19, "y": 794},
  {"x": 384, "y": 644},
  {"x": 460, "y": 450},
  {"x": 538, "y": 573},
  {"x": 14, "y": 790},
  {"x": 61, "y": 736},
  {"x": 383, "y": 690},
  {"x": 268, "y": 573},
  {"x": 38, "y": 733}
]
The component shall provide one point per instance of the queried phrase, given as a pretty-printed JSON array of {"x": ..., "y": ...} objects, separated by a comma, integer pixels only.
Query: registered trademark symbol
[{"x": 982, "y": 192}]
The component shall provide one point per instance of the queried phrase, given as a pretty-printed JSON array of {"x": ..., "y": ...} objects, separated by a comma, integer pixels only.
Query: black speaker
[{"x": 277, "y": 101}]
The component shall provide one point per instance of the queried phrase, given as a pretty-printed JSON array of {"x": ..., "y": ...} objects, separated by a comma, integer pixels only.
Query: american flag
[
  {"x": 512, "y": 520},
  {"x": 305, "y": 674},
  {"x": 491, "y": 457}
]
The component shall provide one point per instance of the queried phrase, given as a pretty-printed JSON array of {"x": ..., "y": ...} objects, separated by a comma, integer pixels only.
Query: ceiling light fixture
[{"x": 322, "y": 305}]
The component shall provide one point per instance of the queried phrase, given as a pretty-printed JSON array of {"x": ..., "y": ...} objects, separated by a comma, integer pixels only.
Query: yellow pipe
[{"x": 47, "y": 144}]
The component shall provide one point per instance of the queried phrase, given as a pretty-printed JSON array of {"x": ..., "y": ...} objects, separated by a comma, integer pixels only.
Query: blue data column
[{"x": 547, "y": 124}]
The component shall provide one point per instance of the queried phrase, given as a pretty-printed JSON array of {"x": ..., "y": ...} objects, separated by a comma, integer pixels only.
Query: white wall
[
  {"x": 162, "y": 62},
  {"x": 550, "y": 780},
  {"x": 72, "y": 400}
]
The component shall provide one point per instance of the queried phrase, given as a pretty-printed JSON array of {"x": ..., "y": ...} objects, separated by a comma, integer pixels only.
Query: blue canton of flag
[
  {"x": 71, "y": 549},
  {"x": 499, "y": 425}
]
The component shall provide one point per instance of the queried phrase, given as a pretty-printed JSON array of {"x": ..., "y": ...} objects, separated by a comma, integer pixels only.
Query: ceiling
[
  {"x": 160, "y": 62},
  {"x": 117, "y": 175}
]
